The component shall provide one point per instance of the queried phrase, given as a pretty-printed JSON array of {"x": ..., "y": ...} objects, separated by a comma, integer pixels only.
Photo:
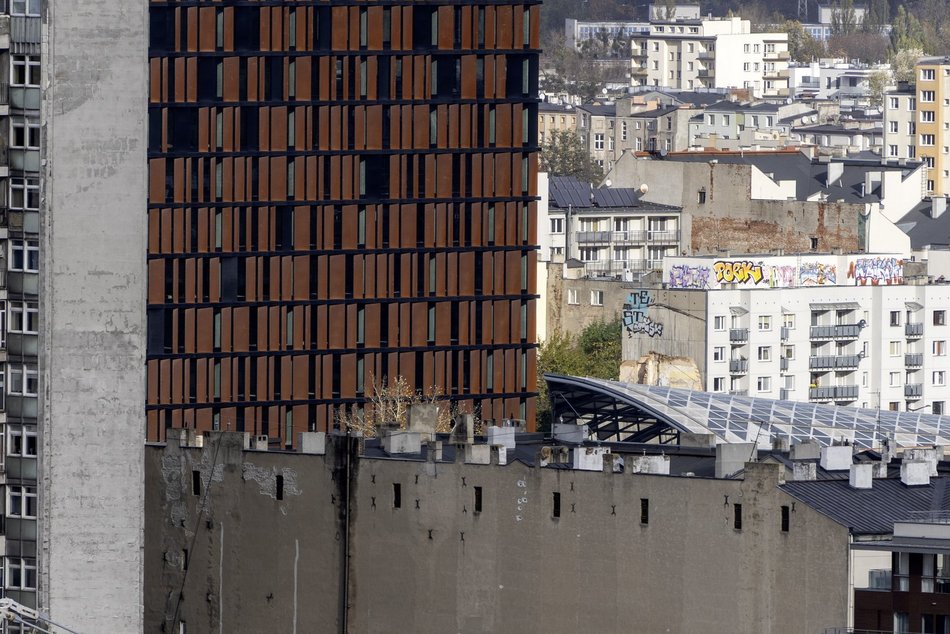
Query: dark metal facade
[{"x": 340, "y": 194}]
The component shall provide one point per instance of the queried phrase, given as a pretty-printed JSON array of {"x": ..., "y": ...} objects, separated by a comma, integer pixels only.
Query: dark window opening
[
  {"x": 644, "y": 511},
  {"x": 478, "y": 499},
  {"x": 196, "y": 483},
  {"x": 397, "y": 495},
  {"x": 556, "y": 510},
  {"x": 280, "y": 487},
  {"x": 785, "y": 519},
  {"x": 737, "y": 516}
]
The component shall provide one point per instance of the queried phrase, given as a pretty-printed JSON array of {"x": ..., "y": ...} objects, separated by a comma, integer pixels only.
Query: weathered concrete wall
[
  {"x": 436, "y": 563},
  {"x": 256, "y": 563},
  {"x": 730, "y": 219},
  {"x": 92, "y": 335},
  {"x": 682, "y": 314}
]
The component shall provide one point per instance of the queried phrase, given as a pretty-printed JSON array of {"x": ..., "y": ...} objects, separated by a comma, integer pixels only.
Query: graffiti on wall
[
  {"x": 780, "y": 275},
  {"x": 739, "y": 272},
  {"x": 635, "y": 315},
  {"x": 817, "y": 274},
  {"x": 876, "y": 271},
  {"x": 686, "y": 276}
]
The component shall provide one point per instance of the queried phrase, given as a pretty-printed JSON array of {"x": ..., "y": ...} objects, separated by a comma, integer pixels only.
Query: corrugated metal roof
[{"x": 869, "y": 511}]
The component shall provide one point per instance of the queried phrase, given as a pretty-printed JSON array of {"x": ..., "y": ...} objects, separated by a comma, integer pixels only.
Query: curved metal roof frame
[
  {"x": 643, "y": 413},
  {"x": 613, "y": 414}
]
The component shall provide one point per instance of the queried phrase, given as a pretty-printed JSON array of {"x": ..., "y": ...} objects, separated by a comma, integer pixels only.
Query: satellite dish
[
  {"x": 644, "y": 188},
  {"x": 608, "y": 183}
]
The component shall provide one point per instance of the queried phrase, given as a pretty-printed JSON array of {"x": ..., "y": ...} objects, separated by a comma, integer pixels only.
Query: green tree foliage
[
  {"x": 843, "y": 19},
  {"x": 595, "y": 352},
  {"x": 907, "y": 32},
  {"x": 878, "y": 81},
  {"x": 877, "y": 16},
  {"x": 565, "y": 155},
  {"x": 802, "y": 47},
  {"x": 902, "y": 63}
]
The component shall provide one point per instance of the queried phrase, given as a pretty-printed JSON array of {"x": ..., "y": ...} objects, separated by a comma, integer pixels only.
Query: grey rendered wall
[
  {"x": 682, "y": 313},
  {"x": 434, "y": 565},
  {"x": 255, "y": 563},
  {"x": 92, "y": 337}
]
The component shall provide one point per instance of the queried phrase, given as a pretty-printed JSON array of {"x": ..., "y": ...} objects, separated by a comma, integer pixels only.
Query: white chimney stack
[{"x": 861, "y": 476}]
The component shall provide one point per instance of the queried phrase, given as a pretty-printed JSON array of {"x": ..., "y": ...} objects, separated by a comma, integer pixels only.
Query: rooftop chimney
[
  {"x": 649, "y": 464},
  {"x": 836, "y": 457},
  {"x": 938, "y": 205},
  {"x": 260, "y": 443},
  {"x": 915, "y": 472},
  {"x": 804, "y": 470},
  {"x": 835, "y": 171},
  {"x": 809, "y": 450},
  {"x": 861, "y": 476}
]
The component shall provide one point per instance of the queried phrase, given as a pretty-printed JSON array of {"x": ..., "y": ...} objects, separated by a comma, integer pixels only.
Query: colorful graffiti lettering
[
  {"x": 686, "y": 276},
  {"x": 741, "y": 272},
  {"x": 817, "y": 274},
  {"x": 647, "y": 326},
  {"x": 876, "y": 271},
  {"x": 780, "y": 275},
  {"x": 635, "y": 317}
]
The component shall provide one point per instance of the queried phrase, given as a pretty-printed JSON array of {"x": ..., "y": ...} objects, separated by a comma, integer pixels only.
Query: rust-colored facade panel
[{"x": 331, "y": 204}]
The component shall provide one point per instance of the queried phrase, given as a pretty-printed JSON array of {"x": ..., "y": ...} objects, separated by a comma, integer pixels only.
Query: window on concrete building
[
  {"x": 927, "y": 139},
  {"x": 765, "y": 322},
  {"x": 719, "y": 384},
  {"x": 478, "y": 500},
  {"x": 25, "y": 7},
  {"x": 894, "y": 379},
  {"x": 927, "y": 74},
  {"x": 21, "y": 501},
  {"x": 926, "y": 96},
  {"x": 24, "y": 255},
  {"x": 719, "y": 322},
  {"x": 788, "y": 321},
  {"x": 940, "y": 348},
  {"x": 892, "y": 126},
  {"x": 786, "y": 516},
  {"x": 894, "y": 406},
  {"x": 596, "y": 298},
  {"x": 814, "y": 243},
  {"x": 893, "y": 103},
  {"x": 572, "y": 296},
  {"x": 644, "y": 511},
  {"x": 894, "y": 348},
  {"x": 895, "y": 318},
  {"x": 892, "y": 150},
  {"x": 25, "y": 70},
  {"x": 719, "y": 353},
  {"x": 21, "y": 441},
  {"x": 598, "y": 141},
  {"x": 765, "y": 353},
  {"x": 940, "y": 318},
  {"x": 737, "y": 516},
  {"x": 937, "y": 407},
  {"x": 556, "y": 504},
  {"x": 397, "y": 495},
  {"x": 927, "y": 116},
  {"x": 764, "y": 384},
  {"x": 557, "y": 225},
  {"x": 939, "y": 377},
  {"x": 20, "y": 573},
  {"x": 701, "y": 198},
  {"x": 24, "y": 134}
]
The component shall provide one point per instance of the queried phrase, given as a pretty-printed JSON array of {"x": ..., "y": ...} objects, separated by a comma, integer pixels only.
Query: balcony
[
  {"x": 836, "y": 393},
  {"x": 738, "y": 366},
  {"x": 775, "y": 56},
  {"x": 707, "y": 55},
  {"x": 785, "y": 394},
  {"x": 776, "y": 75},
  {"x": 617, "y": 268},
  {"x": 640, "y": 236},
  {"x": 841, "y": 332},
  {"x": 705, "y": 72},
  {"x": 785, "y": 333},
  {"x": 636, "y": 72},
  {"x": 738, "y": 335},
  {"x": 915, "y": 360},
  {"x": 783, "y": 364},
  {"x": 593, "y": 237},
  {"x": 640, "y": 52},
  {"x": 834, "y": 362},
  {"x": 913, "y": 390},
  {"x": 913, "y": 331}
]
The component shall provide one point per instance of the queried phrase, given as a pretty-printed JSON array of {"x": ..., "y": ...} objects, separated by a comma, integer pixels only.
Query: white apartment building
[
  {"x": 838, "y": 329},
  {"x": 711, "y": 53},
  {"x": 900, "y": 123}
]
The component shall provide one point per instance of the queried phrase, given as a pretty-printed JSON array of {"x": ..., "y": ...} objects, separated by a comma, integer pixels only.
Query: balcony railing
[
  {"x": 785, "y": 394},
  {"x": 913, "y": 330},
  {"x": 783, "y": 364},
  {"x": 835, "y": 393},
  {"x": 834, "y": 362},
  {"x": 785, "y": 333},
  {"x": 914, "y": 360},
  {"x": 738, "y": 366},
  {"x": 913, "y": 390},
  {"x": 739, "y": 335},
  {"x": 704, "y": 72},
  {"x": 842, "y": 332},
  {"x": 636, "y": 236},
  {"x": 707, "y": 55}
]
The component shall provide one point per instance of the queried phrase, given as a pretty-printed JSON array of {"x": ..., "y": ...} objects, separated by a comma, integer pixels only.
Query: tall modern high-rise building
[{"x": 340, "y": 195}]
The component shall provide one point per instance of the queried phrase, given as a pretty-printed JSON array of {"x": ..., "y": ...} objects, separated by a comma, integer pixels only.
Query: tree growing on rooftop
[{"x": 565, "y": 155}]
